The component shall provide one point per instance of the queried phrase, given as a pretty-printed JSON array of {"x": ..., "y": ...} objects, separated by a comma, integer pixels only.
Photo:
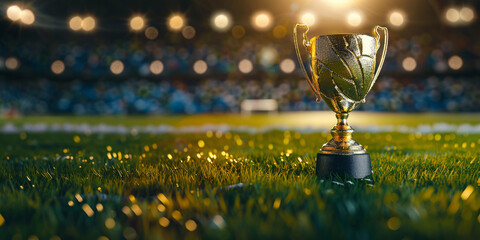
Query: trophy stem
[
  {"x": 342, "y": 139},
  {"x": 342, "y": 121},
  {"x": 342, "y": 132}
]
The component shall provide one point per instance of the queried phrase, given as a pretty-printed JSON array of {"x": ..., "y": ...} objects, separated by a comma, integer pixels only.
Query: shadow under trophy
[{"x": 343, "y": 69}]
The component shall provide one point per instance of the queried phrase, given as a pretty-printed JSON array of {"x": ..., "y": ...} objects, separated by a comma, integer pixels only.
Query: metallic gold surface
[{"x": 343, "y": 72}]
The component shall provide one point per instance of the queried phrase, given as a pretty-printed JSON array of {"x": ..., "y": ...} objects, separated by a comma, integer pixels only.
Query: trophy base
[{"x": 352, "y": 165}]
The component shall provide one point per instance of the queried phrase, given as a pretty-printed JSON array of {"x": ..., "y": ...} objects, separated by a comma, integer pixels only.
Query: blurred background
[{"x": 115, "y": 57}]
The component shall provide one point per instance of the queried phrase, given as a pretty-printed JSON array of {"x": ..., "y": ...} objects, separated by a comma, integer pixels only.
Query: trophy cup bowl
[{"x": 343, "y": 72}]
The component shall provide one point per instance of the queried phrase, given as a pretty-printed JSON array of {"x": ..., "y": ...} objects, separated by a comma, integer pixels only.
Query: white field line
[{"x": 157, "y": 129}]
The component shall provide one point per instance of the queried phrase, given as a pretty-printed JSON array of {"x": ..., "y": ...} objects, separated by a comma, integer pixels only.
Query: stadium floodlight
[
  {"x": 200, "y": 67},
  {"x": 307, "y": 18},
  {"x": 88, "y": 23},
  {"x": 176, "y": 22},
  {"x": 156, "y": 67},
  {"x": 452, "y": 15},
  {"x": 188, "y": 32},
  {"x": 262, "y": 20},
  {"x": 467, "y": 14},
  {"x": 287, "y": 65},
  {"x": 14, "y": 12},
  {"x": 457, "y": 16},
  {"x": 75, "y": 23},
  {"x": 396, "y": 18},
  {"x": 117, "y": 67},
  {"x": 27, "y": 17},
  {"x": 245, "y": 66},
  {"x": 455, "y": 62},
  {"x": 354, "y": 19},
  {"x": 409, "y": 64},
  {"x": 57, "y": 67},
  {"x": 12, "y": 63},
  {"x": 221, "y": 21},
  {"x": 137, "y": 23}
]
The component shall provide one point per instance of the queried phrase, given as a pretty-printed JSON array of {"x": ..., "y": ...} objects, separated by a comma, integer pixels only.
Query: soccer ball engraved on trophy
[{"x": 343, "y": 72}]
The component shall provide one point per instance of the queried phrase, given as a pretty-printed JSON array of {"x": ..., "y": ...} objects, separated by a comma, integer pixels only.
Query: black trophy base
[{"x": 355, "y": 165}]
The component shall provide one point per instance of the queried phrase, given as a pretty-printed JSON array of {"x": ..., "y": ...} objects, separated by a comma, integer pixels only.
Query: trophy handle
[
  {"x": 306, "y": 44},
  {"x": 384, "y": 52}
]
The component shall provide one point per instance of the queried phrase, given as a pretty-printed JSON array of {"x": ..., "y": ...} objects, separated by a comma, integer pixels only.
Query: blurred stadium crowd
[
  {"x": 189, "y": 72},
  {"x": 135, "y": 96}
]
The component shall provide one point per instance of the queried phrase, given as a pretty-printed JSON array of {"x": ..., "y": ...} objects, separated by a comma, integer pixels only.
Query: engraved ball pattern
[{"x": 344, "y": 64}]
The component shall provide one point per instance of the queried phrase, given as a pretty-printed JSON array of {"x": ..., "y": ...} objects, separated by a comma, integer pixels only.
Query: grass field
[
  {"x": 240, "y": 185},
  {"x": 291, "y": 119}
]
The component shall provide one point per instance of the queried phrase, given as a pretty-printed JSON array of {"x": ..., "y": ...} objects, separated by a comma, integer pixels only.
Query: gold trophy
[{"x": 343, "y": 69}]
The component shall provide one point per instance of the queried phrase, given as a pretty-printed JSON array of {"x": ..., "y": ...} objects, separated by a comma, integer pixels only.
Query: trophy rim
[{"x": 343, "y": 34}]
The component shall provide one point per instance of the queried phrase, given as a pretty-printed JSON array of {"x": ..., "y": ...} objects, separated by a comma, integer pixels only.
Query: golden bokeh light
[
  {"x": 176, "y": 22},
  {"x": 307, "y": 18},
  {"x": 221, "y": 21},
  {"x": 12, "y": 63},
  {"x": 201, "y": 143},
  {"x": 14, "y": 12},
  {"x": 137, "y": 23},
  {"x": 27, "y": 17},
  {"x": 279, "y": 31},
  {"x": 452, "y": 15},
  {"x": 409, "y": 64},
  {"x": 245, "y": 66},
  {"x": 394, "y": 223},
  {"x": 455, "y": 62},
  {"x": 191, "y": 225},
  {"x": 262, "y": 20},
  {"x": 238, "y": 31},
  {"x": 57, "y": 67},
  {"x": 110, "y": 223},
  {"x": 117, "y": 67},
  {"x": 200, "y": 67},
  {"x": 467, "y": 192},
  {"x": 151, "y": 33},
  {"x": 156, "y": 67},
  {"x": 467, "y": 14},
  {"x": 188, "y": 32},
  {"x": 75, "y": 23},
  {"x": 354, "y": 19},
  {"x": 88, "y": 23},
  {"x": 287, "y": 65},
  {"x": 396, "y": 18},
  {"x": 164, "y": 222}
]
